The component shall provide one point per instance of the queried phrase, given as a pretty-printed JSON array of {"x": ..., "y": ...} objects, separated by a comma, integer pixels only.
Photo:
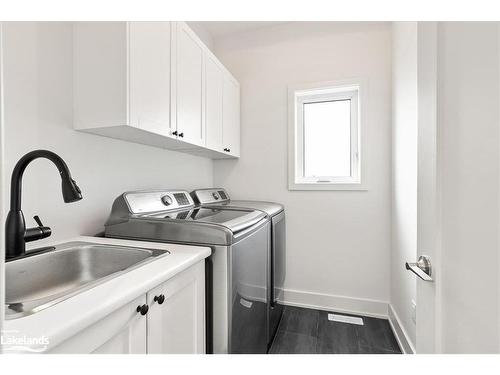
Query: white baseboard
[
  {"x": 349, "y": 305},
  {"x": 401, "y": 336}
]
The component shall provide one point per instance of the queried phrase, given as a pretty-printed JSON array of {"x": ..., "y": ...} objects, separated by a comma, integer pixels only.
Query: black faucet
[{"x": 16, "y": 234}]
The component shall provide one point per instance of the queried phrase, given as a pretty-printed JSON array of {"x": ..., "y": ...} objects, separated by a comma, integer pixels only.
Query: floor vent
[{"x": 346, "y": 319}]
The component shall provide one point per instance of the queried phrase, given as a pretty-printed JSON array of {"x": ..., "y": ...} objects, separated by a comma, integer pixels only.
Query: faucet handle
[
  {"x": 38, "y": 221},
  {"x": 37, "y": 233}
]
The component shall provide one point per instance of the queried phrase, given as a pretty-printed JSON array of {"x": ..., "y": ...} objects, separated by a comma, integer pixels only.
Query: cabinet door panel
[
  {"x": 121, "y": 332},
  {"x": 178, "y": 324},
  {"x": 213, "y": 107},
  {"x": 231, "y": 117},
  {"x": 149, "y": 73},
  {"x": 189, "y": 86}
]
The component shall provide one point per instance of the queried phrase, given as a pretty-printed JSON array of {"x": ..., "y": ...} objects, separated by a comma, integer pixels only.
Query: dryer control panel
[
  {"x": 208, "y": 196},
  {"x": 141, "y": 202}
]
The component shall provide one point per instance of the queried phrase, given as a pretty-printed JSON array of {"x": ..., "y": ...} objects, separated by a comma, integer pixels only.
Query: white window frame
[{"x": 298, "y": 95}]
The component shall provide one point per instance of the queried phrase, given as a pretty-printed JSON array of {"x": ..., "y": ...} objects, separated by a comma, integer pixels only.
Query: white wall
[
  {"x": 467, "y": 272},
  {"x": 38, "y": 114},
  {"x": 338, "y": 241},
  {"x": 468, "y": 118},
  {"x": 404, "y": 173}
]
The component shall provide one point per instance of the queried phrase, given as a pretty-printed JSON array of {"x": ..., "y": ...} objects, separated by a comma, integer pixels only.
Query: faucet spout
[{"x": 15, "y": 227}]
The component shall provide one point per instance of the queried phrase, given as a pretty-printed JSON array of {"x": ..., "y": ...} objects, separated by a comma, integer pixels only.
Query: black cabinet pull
[
  {"x": 174, "y": 133},
  {"x": 160, "y": 299},
  {"x": 143, "y": 309},
  {"x": 181, "y": 135}
]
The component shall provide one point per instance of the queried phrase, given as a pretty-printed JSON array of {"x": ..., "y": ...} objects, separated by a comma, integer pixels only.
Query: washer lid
[
  {"x": 270, "y": 208},
  {"x": 235, "y": 220}
]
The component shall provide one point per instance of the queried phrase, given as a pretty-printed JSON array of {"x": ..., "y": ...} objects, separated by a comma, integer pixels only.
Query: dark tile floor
[{"x": 307, "y": 331}]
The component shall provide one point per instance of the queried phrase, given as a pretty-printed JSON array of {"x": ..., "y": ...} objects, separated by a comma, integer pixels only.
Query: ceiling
[{"x": 221, "y": 29}]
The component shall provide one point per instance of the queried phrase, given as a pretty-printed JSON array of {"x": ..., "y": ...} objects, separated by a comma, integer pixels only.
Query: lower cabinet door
[
  {"x": 121, "y": 332},
  {"x": 176, "y": 317}
]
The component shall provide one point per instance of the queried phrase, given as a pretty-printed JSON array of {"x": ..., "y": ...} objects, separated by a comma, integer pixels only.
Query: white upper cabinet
[
  {"x": 154, "y": 83},
  {"x": 231, "y": 117},
  {"x": 122, "y": 81},
  {"x": 149, "y": 72},
  {"x": 214, "y": 83},
  {"x": 100, "y": 74},
  {"x": 189, "y": 85},
  {"x": 222, "y": 108}
]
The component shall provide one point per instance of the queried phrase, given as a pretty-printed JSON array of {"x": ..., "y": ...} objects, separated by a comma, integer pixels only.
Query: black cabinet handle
[
  {"x": 227, "y": 149},
  {"x": 181, "y": 135},
  {"x": 160, "y": 299},
  {"x": 174, "y": 133},
  {"x": 143, "y": 309}
]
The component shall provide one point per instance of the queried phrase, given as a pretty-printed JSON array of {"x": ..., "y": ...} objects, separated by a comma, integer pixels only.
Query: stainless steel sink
[{"x": 39, "y": 281}]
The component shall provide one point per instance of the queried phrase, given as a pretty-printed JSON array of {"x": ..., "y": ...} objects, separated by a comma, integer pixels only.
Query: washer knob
[
  {"x": 215, "y": 195},
  {"x": 167, "y": 201}
]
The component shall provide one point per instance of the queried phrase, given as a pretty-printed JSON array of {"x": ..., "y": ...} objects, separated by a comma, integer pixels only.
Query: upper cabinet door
[
  {"x": 149, "y": 76},
  {"x": 189, "y": 86},
  {"x": 214, "y": 83},
  {"x": 231, "y": 116}
]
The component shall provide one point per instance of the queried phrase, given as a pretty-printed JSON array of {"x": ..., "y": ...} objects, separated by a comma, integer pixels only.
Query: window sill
[{"x": 327, "y": 186}]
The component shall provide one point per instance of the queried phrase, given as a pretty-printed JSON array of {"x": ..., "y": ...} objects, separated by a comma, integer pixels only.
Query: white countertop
[{"x": 62, "y": 320}]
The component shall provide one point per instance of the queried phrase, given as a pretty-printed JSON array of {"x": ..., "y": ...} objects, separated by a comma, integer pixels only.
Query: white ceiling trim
[{"x": 222, "y": 29}]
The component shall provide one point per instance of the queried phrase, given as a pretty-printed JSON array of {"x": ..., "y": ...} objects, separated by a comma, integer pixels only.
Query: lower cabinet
[
  {"x": 169, "y": 319},
  {"x": 176, "y": 317},
  {"x": 129, "y": 338},
  {"x": 121, "y": 332}
]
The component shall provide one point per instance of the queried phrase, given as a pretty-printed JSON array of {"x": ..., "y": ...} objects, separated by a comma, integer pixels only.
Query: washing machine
[
  {"x": 275, "y": 213},
  {"x": 237, "y": 294}
]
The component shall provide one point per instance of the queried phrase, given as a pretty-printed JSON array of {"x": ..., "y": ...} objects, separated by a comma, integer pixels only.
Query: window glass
[{"x": 327, "y": 139}]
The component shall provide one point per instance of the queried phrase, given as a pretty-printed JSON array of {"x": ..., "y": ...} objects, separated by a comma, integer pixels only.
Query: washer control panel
[
  {"x": 208, "y": 196},
  {"x": 140, "y": 202}
]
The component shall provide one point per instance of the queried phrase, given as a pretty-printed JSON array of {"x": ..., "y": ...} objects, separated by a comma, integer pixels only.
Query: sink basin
[{"x": 39, "y": 281}]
